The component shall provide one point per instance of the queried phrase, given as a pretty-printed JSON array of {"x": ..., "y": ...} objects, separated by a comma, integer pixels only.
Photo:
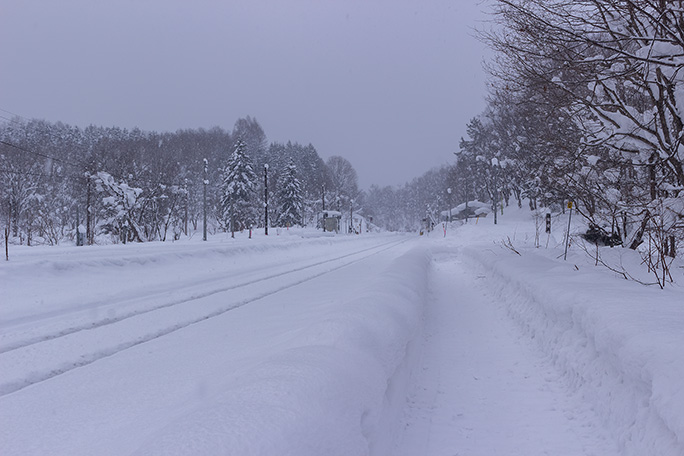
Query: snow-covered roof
[{"x": 476, "y": 206}]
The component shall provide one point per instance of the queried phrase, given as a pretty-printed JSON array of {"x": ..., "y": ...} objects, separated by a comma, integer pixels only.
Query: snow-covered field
[
  {"x": 303, "y": 344},
  {"x": 618, "y": 346}
]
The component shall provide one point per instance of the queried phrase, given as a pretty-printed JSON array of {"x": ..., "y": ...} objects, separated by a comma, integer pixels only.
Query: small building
[
  {"x": 428, "y": 224},
  {"x": 475, "y": 209},
  {"x": 330, "y": 220}
]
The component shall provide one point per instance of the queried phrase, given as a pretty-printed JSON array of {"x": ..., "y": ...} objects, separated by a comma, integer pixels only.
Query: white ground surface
[
  {"x": 483, "y": 389},
  {"x": 304, "y": 344}
]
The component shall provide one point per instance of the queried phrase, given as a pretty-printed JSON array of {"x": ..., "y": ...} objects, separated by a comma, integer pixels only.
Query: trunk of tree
[
  {"x": 652, "y": 181},
  {"x": 639, "y": 234},
  {"x": 672, "y": 250}
]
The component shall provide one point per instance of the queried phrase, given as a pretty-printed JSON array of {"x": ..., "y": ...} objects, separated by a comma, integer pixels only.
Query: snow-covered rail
[
  {"x": 69, "y": 343},
  {"x": 337, "y": 390},
  {"x": 317, "y": 366},
  {"x": 74, "y": 319}
]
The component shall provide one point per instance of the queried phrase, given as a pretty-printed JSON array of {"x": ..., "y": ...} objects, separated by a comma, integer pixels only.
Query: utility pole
[
  {"x": 89, "y": 230},
  {"x": 204, "y": 199},
  {"x": 466, "y": 195},
  {"x": 495, "y": 164},
  {"x": 266, "y": 199},
  {"x": 232, "y": 218},
  {"x": 7, "y": 232},
  {"x": 79, "y": 236},
  {"x": 351, "y": 215},
  {"x": 323, "y": 195},
  {"x": 567, "y": 236},
  {"x": 187, "y": 203}
]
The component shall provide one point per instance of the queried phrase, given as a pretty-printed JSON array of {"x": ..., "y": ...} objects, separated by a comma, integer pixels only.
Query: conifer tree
[
  {"x": 290, "y": 200},
  {"x": 238, "y": 190}
]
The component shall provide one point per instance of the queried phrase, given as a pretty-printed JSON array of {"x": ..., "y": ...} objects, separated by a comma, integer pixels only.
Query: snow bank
[
  {"x": 68, "y": 259},
  {"x": 619, "y": 344},
  {"x": 339, "y": 390}
]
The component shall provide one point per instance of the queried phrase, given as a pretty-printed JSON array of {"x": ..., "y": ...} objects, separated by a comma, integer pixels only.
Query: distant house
[
  {"x": 475, "y": 209},
  {"x": 359, "y": 224},
  {"x": 330, "y": 220}
]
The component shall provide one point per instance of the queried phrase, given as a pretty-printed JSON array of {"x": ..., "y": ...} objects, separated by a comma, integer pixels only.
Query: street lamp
[
  {"x": 205, "y": 182},
  {"x": 449, "y": 193},
  {"x": 266, "y": 199}
]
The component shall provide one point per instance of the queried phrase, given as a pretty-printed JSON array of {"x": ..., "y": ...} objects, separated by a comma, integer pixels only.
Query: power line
[
  {"x": 78, "y": 176},
  {"x": 28, "y": 173},
  {"x": 134, "y": 181},
  {"x": 13, "y": 121},
  {"x": 81, "y": 166},
  {"x": 39, "y": 154},
  {"x": 77, "y": 166},
  {"x": 14, "y": 114}
]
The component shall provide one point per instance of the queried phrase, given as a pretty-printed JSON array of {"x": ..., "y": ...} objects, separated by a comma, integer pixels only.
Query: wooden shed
[{"x": 330, "y": 220}]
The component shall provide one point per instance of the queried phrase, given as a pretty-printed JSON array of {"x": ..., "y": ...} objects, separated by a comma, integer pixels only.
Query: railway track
[{"x": 71, "y": 343}]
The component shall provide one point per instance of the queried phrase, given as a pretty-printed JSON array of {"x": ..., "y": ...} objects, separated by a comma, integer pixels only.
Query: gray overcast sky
[{"x": 387, "y": 84}]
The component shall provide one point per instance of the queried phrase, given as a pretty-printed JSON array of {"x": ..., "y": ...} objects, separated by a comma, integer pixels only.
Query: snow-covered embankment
[
  {"x": 619, "y": 345},
  {"x": 339, "y": 391}
]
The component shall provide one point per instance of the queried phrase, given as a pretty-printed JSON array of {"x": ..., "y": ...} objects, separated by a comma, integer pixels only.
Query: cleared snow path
[{"x": 485, "y": 390}]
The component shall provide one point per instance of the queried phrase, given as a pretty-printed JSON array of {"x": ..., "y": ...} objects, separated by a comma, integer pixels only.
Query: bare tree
[
  {"x": 613, "y": 68},
  {"x": 345, "y": 185}
]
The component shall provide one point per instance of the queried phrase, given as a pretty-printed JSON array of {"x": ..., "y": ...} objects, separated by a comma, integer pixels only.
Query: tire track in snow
[{"x": 50, "y": 368}]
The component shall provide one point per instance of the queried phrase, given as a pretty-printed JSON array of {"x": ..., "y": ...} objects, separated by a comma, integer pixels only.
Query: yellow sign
[{"x": 569, "y": 204}]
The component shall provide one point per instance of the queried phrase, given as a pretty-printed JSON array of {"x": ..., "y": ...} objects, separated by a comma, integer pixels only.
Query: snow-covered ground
[
  {"x": 482, "y": 389},
  {"x": 303, "y": 344},
  {"x": 526, "y": 353}
]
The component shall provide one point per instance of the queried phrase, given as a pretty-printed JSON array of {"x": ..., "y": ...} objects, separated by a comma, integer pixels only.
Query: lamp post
[
  {"x": 205, "y": 182},
  {"x": 449, "y": 193},
  {"x": 266, "y": 199}
]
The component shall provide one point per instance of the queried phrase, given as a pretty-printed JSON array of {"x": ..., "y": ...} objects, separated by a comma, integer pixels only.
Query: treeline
[
  {"x": 63, "y": 183},
  {"x": 405, "y": 208},
  {"x": 586, "y": 105}
]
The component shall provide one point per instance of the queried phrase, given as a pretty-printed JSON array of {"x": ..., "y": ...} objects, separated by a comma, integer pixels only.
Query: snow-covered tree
[
  {"x": 613, "y": 69},
  {"x": 238, "y": 185},
  {"x": 122, "y": 204},
  {"x": 312, "y": 173},
  {"x": 290, "y": 199}
]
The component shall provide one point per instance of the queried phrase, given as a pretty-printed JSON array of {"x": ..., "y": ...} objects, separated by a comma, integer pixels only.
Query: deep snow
[
  {"x": 304, "y": 344},
  {"x": 482, "y": 389},
  {"x": 615, "y": 345},
  {"x": 618, "y": 345},
  {"x": 297, "y": 349}
]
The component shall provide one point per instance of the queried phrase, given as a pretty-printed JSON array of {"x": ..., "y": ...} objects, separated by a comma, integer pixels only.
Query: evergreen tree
[
  {"x": 238, "y": 190},
  {"x": 290, "y": 201}
]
